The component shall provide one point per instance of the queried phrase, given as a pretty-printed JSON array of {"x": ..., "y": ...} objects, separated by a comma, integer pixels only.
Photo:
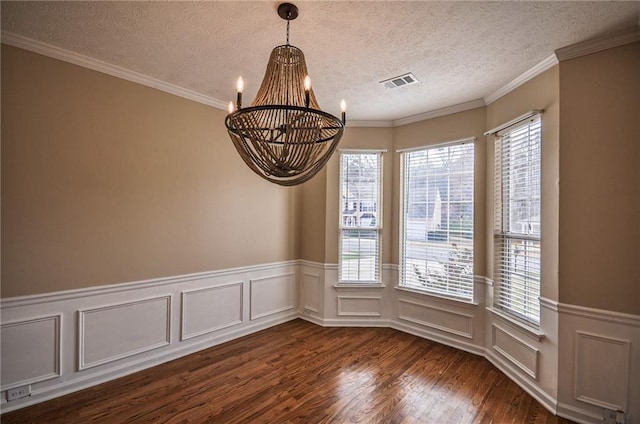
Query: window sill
[
  {"x": 439, "y": 298},
  {"x": 350, "y": 286},
  {"x": 531, "y": 331}
]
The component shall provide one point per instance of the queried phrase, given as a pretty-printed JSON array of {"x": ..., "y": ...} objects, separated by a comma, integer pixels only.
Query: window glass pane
[
  {"x": 437, "y": 225},
  {"x": 360, "y": 218},
  {"x": 360, "y": 190},
  {"x": 359, "y": 255}
]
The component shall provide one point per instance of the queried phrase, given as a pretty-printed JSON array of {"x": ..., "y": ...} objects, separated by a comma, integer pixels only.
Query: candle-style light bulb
[
  {"x": 231, "y": 107},
  {"x": 307, "y": 87},
  {"x": 240, "y": 88},
  {"x": 343, "y": 107}
]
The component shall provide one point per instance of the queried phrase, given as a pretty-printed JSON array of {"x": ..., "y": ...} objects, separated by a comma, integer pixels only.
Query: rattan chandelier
[{"x": 284, "y": 136}]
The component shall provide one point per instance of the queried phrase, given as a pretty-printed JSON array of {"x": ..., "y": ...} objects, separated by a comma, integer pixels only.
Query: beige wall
[
  {"x": 313, "y": 217},
  {"x": 452, "y": 127},
  {"x": 106, "y": 181},
  {"x": 600, "y": 180},
  {"x": 542, "y": 92}
]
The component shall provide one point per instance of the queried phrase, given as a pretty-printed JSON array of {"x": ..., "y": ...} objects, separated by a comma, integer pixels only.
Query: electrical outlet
[
  {"x": 609, "y": 416},
  {"x": 18, "y": 392}
]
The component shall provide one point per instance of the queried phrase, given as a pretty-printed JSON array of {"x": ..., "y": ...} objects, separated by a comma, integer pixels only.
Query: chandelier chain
[{"x": 288, "y": 21}]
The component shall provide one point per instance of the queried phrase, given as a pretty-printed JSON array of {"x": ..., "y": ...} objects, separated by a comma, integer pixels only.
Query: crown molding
[
  {"x": 598, "y": 44},
  {"x": 440, "y": 112},
  {"x": 45, "y": 49},
  {"x": 547, "y": 63},
  {"x": 562, "y": 54},
  {"x": 370, "y": 124}
]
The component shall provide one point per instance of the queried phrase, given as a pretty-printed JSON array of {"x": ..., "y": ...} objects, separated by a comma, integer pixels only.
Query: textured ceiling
[{"x": 460, "y": 51}]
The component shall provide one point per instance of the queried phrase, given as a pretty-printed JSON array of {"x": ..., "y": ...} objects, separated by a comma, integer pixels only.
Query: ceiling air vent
[{"x": 399, "y": 81}]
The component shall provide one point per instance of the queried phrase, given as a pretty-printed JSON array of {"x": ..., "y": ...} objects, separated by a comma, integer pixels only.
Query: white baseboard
[
  {"x": 428, "y": 334},
  {"x": 579, "y": 415},
  {"x": 548, "y": 401}
]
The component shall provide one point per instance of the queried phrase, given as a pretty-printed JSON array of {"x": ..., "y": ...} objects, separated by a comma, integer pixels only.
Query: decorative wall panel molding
[
  {"x": 602, "y": 370},
  {"x": 360, "y": 306},
  {"x": 209, "y": 309},
  {"x": 272, "y": 295},
  {"x": 529, "y": 385},
  {"x": 30, "y": 350},
  {"x": 435, "y": 317},
  {"x": 515, "y": 350},
  {"x": 93, "y": 335},
  {"x": 114, "y": 332},
  {"x": 311, "y": 290},
  {"x": 599, "y": 363},
  {"x": 443, "y": 337}
]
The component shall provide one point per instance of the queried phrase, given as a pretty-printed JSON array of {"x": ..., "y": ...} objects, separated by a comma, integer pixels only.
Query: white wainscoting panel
[
  {"x": 518, "y": 352},
  {"x": 580, "y": 351},
  {"x": 209, "y": 309},
  {"x": 360, "y": 306},
  {"x": 92, "y": 335},
  {"x": 30, "y": 351},
  {"x": 602, "y": 370},
  {"x": 114, "y": 332},
  {"x": 447, "y": 320},
  {"x": 272, "y": 295},
  {"x": 311, "y": 290},
  {"x": 599, "y": 364}
]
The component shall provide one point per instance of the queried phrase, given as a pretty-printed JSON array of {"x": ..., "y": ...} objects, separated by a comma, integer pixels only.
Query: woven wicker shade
[{"x": 280, "y": 137}]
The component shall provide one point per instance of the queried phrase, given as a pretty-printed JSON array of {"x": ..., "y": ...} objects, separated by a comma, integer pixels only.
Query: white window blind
[
  {"x": 437, "y": 220},
  {"x": 517, "y": 221},
  {"x": 360, "y": 217}
]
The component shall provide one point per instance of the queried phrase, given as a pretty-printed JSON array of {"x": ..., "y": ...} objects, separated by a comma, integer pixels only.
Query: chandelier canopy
[{"x": 284, "y": 136}]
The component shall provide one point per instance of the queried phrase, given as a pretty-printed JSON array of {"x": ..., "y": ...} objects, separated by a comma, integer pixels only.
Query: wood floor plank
[{"x": 298, "y": 372}]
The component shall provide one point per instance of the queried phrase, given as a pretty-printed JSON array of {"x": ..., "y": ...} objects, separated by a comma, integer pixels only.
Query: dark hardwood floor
[{"x": 302, "y": 373}]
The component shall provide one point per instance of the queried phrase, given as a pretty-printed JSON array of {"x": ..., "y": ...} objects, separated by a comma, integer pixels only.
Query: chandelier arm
[
  {"x": 310, "y": 150},
  {"x": 262, "y": 153},
  {"x": 316, "y": 168},
  {"x": 338, "y": 122},
  {"x": 238, "y": 143},
  {"x": 296, "y": 161},
  {"x": 300, "y": 178}
]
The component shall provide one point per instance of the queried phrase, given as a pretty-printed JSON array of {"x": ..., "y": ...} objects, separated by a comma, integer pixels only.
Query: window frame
[
  {"x": 377, "y": 229},
  {"x": 402, "y": 280},
  {"x": 503, "y": 233}
]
